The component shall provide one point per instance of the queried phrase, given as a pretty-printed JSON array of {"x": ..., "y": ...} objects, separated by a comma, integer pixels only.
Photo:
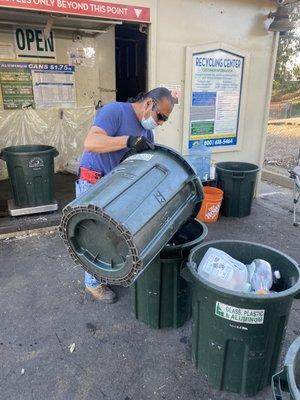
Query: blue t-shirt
[{"x": 116, "y": 119}]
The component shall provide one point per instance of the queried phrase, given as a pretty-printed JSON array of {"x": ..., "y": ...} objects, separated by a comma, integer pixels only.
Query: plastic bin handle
[
  {"x": 238, "y": 175},
  {"x": 184, "y": 273},
  {"x": 279, "y": 384},
  {"x": 297, "y": 295},
  {"x": 2, "y": 156},
  {"x": 56, "y": 153}
]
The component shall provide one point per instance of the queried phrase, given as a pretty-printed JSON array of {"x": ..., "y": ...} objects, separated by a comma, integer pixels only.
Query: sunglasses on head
[{"x": 160, "y": 116}]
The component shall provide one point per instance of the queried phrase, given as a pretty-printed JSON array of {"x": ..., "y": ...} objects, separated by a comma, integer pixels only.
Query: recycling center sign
[{"x": 215, "y": 97}]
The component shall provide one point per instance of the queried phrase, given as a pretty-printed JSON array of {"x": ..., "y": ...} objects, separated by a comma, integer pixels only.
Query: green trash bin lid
[
  {"x": 27, "y": 150},
  {"x": 237, "y": 166}
]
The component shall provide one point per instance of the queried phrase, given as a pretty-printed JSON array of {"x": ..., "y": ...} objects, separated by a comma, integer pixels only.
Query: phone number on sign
[{"x": 220, "y": 142}]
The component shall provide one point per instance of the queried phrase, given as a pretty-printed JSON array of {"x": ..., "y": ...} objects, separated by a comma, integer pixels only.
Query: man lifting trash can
[{"x": 117, "y": 128}]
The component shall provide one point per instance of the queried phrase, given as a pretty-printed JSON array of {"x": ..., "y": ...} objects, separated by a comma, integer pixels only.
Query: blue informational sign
[
  {"x": 38, "y": 67},
  {"x": 220, "y": 142},
  {"x": 214, "y": 142},
  {"x": 65, "y": 68},
  {"x": 204, "y": 98}
]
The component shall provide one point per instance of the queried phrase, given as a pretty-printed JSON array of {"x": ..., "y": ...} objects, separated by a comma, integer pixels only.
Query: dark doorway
[{"x": 131, "y": 61}]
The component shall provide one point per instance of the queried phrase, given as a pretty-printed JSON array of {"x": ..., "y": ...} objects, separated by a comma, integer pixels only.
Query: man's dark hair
[{"x": 156, "y": 94}]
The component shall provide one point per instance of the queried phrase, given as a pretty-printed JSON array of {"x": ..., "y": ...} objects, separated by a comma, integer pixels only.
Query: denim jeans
[{"x": 82, "y": 186}]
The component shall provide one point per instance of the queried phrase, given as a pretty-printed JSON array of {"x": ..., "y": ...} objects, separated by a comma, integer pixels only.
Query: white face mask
[{"x": 149, "y": 123}]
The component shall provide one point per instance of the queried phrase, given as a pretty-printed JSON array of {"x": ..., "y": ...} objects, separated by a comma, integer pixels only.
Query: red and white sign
[{"x": 90, "y": 8}]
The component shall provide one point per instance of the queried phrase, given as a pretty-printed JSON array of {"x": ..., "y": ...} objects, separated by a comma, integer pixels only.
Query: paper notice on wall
[
  {"x": 37, "y": 85},
  {"x": 16, "y": 85},
  {"x": 83, "y": 56},
  {"x": 175, "y": 91},
  {"x": 54, "y": 87}
]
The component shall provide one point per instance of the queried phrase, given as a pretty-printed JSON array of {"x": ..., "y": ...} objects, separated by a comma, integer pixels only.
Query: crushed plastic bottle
[
  {"x": 260, "y": 276},
  {"x": 222, "y": 270}
]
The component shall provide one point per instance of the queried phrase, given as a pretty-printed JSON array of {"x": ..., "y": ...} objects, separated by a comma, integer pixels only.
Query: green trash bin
[
  {"x": 160, "y": 297},
  {"x": 31, "y": 174},
  {"x": 237, "y": 180},
  {"x": 237, "y": 337},
  {"x": 120, "y": 225},
  {"x": 287, "y": 381}
]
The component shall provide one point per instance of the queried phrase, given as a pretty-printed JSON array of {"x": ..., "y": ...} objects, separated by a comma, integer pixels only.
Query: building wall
[
  {"x": 64, "y": 131},
  {"x": 235, "y": 23},
  {"x": 243, "y": 24},
  {"x": 175, "y": 25},
  {"x": 105, "y": 49}
]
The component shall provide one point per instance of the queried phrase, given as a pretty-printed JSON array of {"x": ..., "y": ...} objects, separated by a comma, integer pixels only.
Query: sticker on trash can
[
  {"x": 212, "y": 211},
  {"x": 242, "y": 315},
  {"x": 143, "y": 157},
  {"x": 36, "y": 163}
]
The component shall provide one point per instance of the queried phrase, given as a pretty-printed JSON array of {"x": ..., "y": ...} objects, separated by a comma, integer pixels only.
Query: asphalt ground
[{"x": 44, "y": 310}]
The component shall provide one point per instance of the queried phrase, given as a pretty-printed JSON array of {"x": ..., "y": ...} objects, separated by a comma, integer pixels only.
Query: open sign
[{"x": 31, "y": 43}]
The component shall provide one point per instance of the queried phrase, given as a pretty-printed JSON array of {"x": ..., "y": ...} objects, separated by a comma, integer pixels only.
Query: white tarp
[{"x": 65, "y": 129}]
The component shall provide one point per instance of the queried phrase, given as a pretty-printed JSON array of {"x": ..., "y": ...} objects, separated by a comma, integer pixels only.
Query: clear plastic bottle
[
  {"x": 260, "y": 276},
  {"x": 200, "y": 157},
  {"x": 212, "y": 170},
  {"x": 224, "y": 271}
]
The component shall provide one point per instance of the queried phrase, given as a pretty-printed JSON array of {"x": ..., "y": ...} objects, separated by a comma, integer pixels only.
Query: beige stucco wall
[
  {"x": 236, "y": 23},
  {"x": 105, "y": 50}
]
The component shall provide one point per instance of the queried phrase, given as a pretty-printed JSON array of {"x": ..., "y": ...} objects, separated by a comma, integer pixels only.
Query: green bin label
[
  {"x": 242, "y": 315},
  {"x": 36, "y": 163},
  {"x": 143, "y": 157}
]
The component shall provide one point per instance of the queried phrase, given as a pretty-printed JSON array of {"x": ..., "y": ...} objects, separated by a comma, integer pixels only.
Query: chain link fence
[
  {"x": 282, "y": 145},
  {"x": 284, "y": 109}
]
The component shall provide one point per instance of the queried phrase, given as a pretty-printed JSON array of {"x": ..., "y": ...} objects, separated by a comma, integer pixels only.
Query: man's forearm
[{"x": 100, "y": 143}]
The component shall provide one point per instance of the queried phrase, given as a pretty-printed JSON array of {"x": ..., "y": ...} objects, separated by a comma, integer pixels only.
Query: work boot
[{"x": 102, "y": 293}]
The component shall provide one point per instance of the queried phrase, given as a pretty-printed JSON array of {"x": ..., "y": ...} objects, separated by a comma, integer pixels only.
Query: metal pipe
[
  {"x": 60, "y": 16},
  {"x": 65, "y": 28},
  {"x": 108, "y": 21}
]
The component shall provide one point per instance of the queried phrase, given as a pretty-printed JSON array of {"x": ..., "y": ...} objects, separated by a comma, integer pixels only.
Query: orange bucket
[{"x": 209, "y": 211}]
